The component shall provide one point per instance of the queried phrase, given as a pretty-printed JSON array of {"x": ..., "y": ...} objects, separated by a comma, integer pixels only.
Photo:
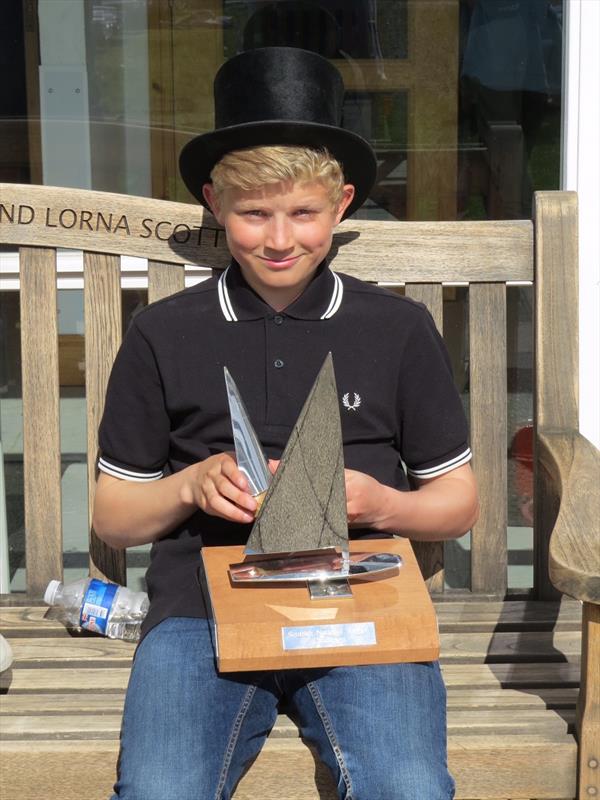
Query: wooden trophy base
[{"x": 387, "y": 620}]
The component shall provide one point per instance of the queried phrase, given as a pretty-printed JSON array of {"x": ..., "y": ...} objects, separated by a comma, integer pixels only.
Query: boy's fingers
[
  {"x": 224, "y": 491},
  {"x": 230, "y": 469},
  {"x": 222, "y": 499},
  {"x": 231, "y": 492},
  {"x": 221, "y": 507}
]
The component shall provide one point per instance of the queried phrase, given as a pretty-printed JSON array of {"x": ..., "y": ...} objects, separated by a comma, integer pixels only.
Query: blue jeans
[{"x": 189, "y": 733}]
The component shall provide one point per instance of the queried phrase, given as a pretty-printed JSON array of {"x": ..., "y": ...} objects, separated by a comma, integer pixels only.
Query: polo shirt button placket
[{"x": 278, "y": 320}]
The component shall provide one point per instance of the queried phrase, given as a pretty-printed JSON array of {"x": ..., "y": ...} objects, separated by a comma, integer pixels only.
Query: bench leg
[{"x": 588, "y": 707}]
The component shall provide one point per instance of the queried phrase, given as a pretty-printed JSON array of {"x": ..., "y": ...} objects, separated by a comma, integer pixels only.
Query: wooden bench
[{"x": 511, "y": 662}]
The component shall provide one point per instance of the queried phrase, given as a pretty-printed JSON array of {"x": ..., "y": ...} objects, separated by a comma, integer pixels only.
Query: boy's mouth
[{"x": 279, "y": 263}]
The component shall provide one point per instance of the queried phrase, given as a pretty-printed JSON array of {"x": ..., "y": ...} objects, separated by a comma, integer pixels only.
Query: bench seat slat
[
  {"x": 511, "y": 615},
  {"x": 459, "y": 699},
  {"x": 454, "y": 616},
  {"x": 455, "y": 647},
  {"x": 94, "y": 725},
  {"x": 526, "y": 766},
  {"x": 472, "y": 677}
]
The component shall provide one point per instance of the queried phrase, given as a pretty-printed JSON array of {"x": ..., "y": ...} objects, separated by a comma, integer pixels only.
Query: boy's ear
[
  {"x": 347, "y": 197},
  {"x": 208, "y": 192}
]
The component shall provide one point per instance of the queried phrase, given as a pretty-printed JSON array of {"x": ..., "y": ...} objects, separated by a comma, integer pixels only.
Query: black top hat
[{"x": 279, "y": 96}]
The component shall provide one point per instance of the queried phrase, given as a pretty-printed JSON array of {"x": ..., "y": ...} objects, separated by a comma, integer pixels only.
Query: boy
[{"x": 167, "y": 475}]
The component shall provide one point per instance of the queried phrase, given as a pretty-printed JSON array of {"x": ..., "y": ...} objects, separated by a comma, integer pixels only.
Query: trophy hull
[
  {"x": 277, "y": 626},
  {"x": 327, "y": 564}
]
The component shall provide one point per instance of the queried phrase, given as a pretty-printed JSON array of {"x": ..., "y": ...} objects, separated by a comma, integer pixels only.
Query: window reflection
[
  {"x": 510, "y": 104},
  {"x": 461, "y": 98}
]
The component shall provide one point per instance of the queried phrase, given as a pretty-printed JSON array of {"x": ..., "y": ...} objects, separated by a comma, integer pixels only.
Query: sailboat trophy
[{"x": 373, "y": 605}]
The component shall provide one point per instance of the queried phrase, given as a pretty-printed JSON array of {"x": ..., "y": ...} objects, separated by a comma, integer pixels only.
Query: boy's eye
[
  {"x": 304, "y": 212},
  {"x": 253, "y": 212}
]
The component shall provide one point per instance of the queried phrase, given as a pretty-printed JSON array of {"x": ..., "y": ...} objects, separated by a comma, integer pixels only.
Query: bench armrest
[{"x": 572, "y": 465}]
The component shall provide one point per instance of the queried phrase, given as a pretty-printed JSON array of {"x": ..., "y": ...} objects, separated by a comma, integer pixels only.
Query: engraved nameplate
[{"x": 313, "y": 637}]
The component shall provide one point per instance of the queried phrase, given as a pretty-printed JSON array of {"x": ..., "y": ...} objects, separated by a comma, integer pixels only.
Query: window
[{"x": 461, "y": 100}]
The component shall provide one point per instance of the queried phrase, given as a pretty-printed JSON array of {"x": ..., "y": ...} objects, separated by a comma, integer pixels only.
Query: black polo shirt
[{"x": 166, "y": 405}]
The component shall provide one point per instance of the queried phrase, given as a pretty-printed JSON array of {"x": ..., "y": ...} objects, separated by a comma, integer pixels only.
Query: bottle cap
[{"x": 50, "y": 592}]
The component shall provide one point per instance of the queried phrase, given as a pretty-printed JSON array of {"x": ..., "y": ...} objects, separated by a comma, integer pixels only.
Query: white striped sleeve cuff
[
  {"x": 127, "y": 474},
  {"x": 441, "y": 469}
]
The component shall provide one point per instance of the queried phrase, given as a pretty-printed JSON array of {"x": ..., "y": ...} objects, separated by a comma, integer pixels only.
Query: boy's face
[{"x": 279, "y": 234}]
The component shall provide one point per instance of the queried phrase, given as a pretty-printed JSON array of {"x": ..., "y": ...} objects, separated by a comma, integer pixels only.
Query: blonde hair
[{"x": 255, "y": 167}]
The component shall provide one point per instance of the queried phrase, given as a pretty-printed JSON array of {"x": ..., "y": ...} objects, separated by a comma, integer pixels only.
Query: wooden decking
[{"x": 511, "y": 668}]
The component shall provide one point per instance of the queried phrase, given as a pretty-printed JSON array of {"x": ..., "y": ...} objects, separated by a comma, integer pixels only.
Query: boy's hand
[
  {"x": 443, "y": 507},
  {"x": 364, "y": 499},
  {"x": 220, "y": 488}
]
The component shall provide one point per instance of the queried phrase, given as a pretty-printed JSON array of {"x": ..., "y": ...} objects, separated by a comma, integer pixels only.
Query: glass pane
[
  {"x": 138, "y": 558},
  {"x": 457, "y": 552},
  {"x": 11, "y": 437},
  {"x": 73, "y": 434},
  {"x": 510, "y": 99},
  {"x": 14, "y": 124},
  {"x": 464, "y": 97},
  {"x": 116, "y": 38},
  {"x": 520, "y": 439},
  {"x": 519, "y": 429},
  {"x": 333, "y": 28},
  {"x": 381, "y": 117}
]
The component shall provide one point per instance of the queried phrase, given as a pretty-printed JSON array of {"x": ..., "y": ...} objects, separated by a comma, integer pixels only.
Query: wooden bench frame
[{"x": 40, "y": 705}]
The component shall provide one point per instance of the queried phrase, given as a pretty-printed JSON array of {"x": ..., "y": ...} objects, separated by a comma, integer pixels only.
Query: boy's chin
[{"x": 273, "y": 272}]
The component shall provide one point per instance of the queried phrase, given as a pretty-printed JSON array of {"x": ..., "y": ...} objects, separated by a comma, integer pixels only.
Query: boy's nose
[{"x": 279, "y": 235}]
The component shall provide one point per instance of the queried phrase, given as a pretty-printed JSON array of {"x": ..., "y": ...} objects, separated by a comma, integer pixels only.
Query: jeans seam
[
  {"x": 233, "y": 739},
  {"x": 333, "y": 741}
]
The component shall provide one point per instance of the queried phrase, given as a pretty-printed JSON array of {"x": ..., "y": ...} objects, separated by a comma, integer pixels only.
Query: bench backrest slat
[
  {"x": 430, "y": 555},
  {"x": 429, "y": 252},
  {"x": 164, "y": 279},
  {"x": 557, "y": 346},
  {"x": 556, "y": 349},
  {"x": 487, "y": 342},
  {"x": 432, "y": 295},
  {"x": 102, "y": 308},
  {"x": 41, "y": 417}
]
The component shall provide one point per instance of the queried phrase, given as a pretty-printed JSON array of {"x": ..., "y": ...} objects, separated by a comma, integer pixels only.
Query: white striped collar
[
  {"x": 224, "y": 299},
  {"x": 336, "y": 297},
  {"x": 335, "y": 300}
]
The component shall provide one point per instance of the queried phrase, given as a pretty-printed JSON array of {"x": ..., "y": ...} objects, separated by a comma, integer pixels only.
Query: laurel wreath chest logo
[{"x": 351, "y": 406}]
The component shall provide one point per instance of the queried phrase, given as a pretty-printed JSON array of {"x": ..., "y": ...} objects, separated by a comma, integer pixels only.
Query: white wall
[{"x": 581, "y": 172}]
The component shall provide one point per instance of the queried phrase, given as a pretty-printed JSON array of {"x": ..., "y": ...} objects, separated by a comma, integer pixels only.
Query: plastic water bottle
[{"x": 95, "y": 605}]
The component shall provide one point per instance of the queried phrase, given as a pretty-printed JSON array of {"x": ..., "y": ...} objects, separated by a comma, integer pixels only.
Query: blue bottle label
[{"x": 96, "y": 605}]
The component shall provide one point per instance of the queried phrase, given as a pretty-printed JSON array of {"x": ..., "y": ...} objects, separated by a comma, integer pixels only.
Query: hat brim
[{"x": 354, "y": 153}]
